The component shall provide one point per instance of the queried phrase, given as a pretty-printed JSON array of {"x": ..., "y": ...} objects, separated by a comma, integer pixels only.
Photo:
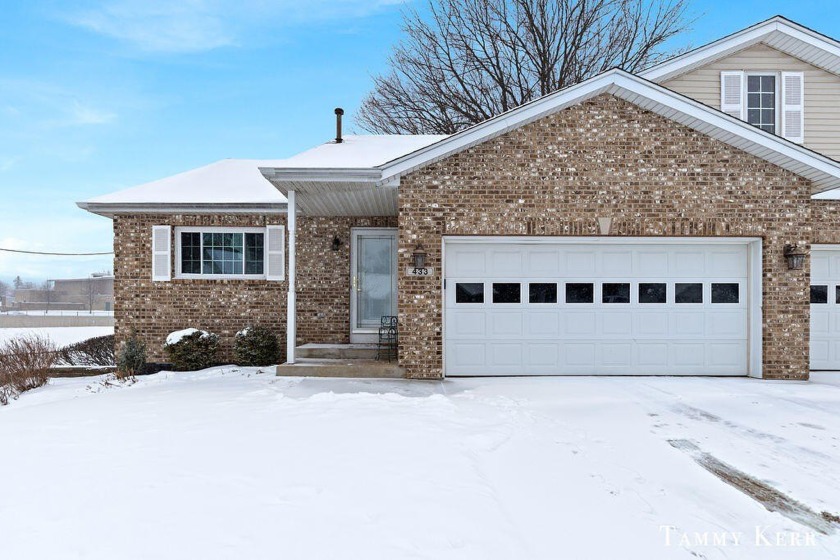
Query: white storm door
[{"x": 373, "y": 280}]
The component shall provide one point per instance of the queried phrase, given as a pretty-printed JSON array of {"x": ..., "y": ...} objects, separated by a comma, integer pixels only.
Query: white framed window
[
  {"x": 762, "y": 102},
  {"x": 222, "y": 252}
]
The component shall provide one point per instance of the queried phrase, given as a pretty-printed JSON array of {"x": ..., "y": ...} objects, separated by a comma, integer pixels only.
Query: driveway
[{"x": 232, "y": 463}]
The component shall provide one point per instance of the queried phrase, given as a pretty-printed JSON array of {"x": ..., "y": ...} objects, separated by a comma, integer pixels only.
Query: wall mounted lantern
[
  {"x": 336, "y": 243},
  {"x": 795, "y": 257},
  {"x": 419, "y": 257}
]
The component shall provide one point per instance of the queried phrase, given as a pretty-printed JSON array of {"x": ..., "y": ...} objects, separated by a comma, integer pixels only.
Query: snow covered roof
[
  {"x": 229, "y": 181},
  {"x": 359, "y": 151},
  {"x": 238, "y": 184},
  {"x": 777, "y": 32}
]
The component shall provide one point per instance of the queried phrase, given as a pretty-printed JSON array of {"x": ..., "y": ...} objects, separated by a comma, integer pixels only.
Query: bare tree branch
[{"x": 470, "y": 60}]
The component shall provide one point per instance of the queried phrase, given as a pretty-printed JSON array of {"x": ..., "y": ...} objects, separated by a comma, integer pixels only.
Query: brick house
[{"x": 677, "y": 222}]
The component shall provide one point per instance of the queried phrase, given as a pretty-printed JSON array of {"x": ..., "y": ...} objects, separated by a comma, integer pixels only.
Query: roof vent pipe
[{"x": 338, "y": 113}]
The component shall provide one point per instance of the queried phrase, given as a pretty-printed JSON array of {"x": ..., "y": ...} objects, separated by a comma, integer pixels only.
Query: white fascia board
[
  {"x": 612, "y": 81},
  {"x": 321, "y": 175},
  {"x": 738, "y": 41},
  {"x": 110, "y": 209}
]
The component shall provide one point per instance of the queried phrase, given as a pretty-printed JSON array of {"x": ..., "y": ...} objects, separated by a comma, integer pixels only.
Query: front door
[{"x": 373, "y": 281}]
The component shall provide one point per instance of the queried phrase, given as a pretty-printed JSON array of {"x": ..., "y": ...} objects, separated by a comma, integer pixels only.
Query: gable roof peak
[{"x": 778, "y": 32}]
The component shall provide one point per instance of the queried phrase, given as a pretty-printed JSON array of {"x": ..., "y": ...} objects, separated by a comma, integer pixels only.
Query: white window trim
[
  {"x": 777, "y": 98},
  {"x": 218, "y": 229}
]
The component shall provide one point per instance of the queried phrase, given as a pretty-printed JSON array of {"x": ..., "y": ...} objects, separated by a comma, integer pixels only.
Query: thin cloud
[{"x": 191, "y": 26}]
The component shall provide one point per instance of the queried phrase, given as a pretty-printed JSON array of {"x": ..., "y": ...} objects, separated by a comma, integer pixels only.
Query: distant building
[{"x": 95, "y": 293}]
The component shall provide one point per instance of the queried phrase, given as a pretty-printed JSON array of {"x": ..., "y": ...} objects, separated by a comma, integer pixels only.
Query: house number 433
[{"x": 419, "y": 271}]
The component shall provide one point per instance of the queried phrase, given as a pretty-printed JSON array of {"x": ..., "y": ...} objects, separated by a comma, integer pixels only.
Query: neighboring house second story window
[
  {"x": 220, "y": 252},
  {"x": 761, "y": 101},
  {"x": 771, "y": 101}
]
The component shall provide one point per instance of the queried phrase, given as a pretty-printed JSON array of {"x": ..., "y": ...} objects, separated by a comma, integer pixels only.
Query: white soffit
[
  {"x": 777, "y": 32},
  {"x": 822, "y": 171}
]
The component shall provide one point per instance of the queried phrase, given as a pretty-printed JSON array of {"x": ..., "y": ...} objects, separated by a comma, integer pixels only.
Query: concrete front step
[
  {"x": 325, "y": 367},
  {"x": 337, "y": 351}
]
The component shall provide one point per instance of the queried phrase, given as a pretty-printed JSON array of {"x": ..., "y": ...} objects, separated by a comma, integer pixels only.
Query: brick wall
[
  {"x": 825, "y": 220},
  {"x": 154, "y": 309},
  {"x": 606, "y": 158}
]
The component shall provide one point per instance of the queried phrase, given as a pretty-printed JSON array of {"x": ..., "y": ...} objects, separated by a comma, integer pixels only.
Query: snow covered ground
[
  {"x": 61, "y": 336},
  {"x": 229, "y": 463}
]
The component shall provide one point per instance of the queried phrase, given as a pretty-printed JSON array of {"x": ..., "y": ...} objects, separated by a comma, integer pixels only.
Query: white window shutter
[
  {"x": 732, "y": 94},
  {"x": 275, "y": 253},
  {"x": 161, "y": 253},
  {"x": 793, "y": 106}
]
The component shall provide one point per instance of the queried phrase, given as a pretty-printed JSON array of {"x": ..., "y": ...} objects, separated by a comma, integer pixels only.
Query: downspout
[{"x": 291, "y": 326}]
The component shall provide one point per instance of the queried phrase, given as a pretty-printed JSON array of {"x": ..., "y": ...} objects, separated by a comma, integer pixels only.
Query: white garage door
[
  {"x": 550, "y": 307},
  {"x": 825, "y": 307}
]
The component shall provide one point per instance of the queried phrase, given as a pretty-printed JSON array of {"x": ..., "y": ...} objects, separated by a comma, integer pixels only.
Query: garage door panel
[
  {"x": 543, "y": 263},
  {"x": 825, "y": 317},
  {"x": 542, "y": 324},
  {"x": 688, "y": 354},
  {"x": 651, "y": 323},
  {"x": 506, "y": 323},
  {"x": 506, "y": 263},
  {"x": 727, "y": 263},
  {"x": 689, "y": 323},
  {"x": 580, "y": 263},
  {"x": 467, "y": 263},
  {"x": 578, "y": 354},
  {"x": 726, "y": 323},
  {"x": 467, "y": 324},
  {"x": 616, "y": 354},
  {"x": 726, "y": 354},
  {"x": 652, "y": 354},
  {"x": 653, "y": 263},
  {"x": 543, "y": 355},
  {"x": 502, "y": 354},
  {"x": 579, "y": 323},
  {"x": 465, "y": 355},
  {"x": 616, "y": 263},
  {"x": 595, "y": 330},
  {"x": 689, "y": 263},
  {"x": 616, "y": 323}
]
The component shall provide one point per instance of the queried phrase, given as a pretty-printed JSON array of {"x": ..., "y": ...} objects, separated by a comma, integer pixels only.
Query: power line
[{"x": 56, "y": 254}]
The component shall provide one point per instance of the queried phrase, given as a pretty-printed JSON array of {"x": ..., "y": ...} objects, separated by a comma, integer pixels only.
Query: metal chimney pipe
[{"x": 338, "y": 113}]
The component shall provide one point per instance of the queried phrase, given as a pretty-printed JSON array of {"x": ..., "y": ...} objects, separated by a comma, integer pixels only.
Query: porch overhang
[{"x": 336, "y": 192}]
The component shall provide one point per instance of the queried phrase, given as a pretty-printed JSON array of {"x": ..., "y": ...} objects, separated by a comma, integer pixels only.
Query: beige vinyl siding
[{"x": 822, "y": 91}]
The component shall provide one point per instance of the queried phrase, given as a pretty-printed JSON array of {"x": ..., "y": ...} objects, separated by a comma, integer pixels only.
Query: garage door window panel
[
  {"x": 837, "y": 294},
  {"x": 819, "y": 294},
  {"x": 506, "y": 292},
  {"x": 725, "y": 292},
  {"x": 690, "y": 292},
  {"x": 615, "y": 292},
  {"x": 577, "y": 292},
  {"x": 653, "y": 292},
  {"x": 542, "y": 293},
  {"x": 469, "y": 292}
]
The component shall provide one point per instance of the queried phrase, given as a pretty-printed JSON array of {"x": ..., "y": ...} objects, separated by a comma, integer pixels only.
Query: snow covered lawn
[
  {"x": 61, "y": 336},
  {"x": 228, "y": 463}
]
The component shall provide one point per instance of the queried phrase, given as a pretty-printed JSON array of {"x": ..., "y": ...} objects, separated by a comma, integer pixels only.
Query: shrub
[
  {"x": 131, "y": 359},
  {"x": 25, "y": 362},
  {"x": 191, "y": 349},
  {"x": 256, "y": 346},
  {"x": 97, "y": 351}
]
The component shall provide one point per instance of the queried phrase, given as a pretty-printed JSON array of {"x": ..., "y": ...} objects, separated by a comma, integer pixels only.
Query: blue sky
[{"x": 98, "y": 95}]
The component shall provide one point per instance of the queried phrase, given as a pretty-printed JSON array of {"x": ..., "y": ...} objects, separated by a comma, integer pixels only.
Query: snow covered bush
[
  {"x": 256, "y": 346},
  {"x": 25, "y": 363},
  {"x": 131, "y": 359},
  {"x": 97, "y": 351},
  {"x": 191, "y": 349}
]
